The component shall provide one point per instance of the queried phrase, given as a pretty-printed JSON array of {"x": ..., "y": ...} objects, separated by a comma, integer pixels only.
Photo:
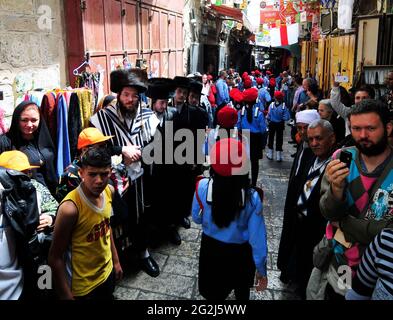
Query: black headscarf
[{"x": 42, "y": 140}]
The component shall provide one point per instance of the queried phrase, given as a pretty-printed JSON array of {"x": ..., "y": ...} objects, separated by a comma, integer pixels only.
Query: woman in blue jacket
[{"x": 234, "y": 234}]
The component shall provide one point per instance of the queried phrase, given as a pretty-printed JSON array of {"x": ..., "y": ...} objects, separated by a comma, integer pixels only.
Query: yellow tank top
[{"x": 89, "y": 261}]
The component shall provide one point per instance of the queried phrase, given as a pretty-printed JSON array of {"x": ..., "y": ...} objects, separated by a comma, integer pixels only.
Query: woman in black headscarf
[{"x": 31, "y": 136}]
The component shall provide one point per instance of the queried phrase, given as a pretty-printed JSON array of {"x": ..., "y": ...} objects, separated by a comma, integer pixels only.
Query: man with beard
[
  {"x": 131, "y": 124},
  {"x": 358, "y": 198}
]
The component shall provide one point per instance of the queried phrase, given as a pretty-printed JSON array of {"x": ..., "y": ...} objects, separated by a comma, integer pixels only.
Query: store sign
[{"x": 279, "y": 13}]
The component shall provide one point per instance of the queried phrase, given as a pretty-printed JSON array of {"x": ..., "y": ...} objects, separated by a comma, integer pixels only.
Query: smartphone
[{"x": 346, "y": 157}]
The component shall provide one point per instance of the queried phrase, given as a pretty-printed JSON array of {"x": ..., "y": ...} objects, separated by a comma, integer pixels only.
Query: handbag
[{"x": 322, "y": 254}]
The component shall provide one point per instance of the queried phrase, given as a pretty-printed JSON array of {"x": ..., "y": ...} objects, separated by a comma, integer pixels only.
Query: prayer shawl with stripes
[
  {"x": 111, "y": 123},
  {"x": 139, "y": 132}
]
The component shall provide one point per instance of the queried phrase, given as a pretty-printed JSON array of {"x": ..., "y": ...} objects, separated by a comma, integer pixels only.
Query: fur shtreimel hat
[
  {"x": 124, "y": 78},
  {"x": 160, "y": 88}
]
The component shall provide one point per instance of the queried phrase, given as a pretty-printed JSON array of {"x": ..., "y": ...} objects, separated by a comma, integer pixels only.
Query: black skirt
[{"x": 224, "y": 267}]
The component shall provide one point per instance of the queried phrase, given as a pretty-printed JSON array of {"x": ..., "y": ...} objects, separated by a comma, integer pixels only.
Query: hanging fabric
[{"x": 63, "y": 144}]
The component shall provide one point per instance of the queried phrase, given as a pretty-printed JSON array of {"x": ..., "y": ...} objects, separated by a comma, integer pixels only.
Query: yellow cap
[
  {"x": 91, "y": 136},
  {"x": 15, "y": 160}
]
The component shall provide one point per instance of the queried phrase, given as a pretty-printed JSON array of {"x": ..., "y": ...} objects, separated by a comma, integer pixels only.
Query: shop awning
[{"x": 229, "y": 12}]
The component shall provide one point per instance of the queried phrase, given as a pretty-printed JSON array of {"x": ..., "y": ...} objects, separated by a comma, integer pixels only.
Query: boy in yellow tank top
[{"x": 83, "y": 255}]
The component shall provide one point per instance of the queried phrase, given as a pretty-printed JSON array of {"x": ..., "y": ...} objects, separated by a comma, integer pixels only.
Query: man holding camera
[{"x": 357, "y": 196}]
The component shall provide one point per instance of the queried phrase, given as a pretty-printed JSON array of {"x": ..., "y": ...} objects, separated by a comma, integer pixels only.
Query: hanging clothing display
[{"x": 94, "y": 82}]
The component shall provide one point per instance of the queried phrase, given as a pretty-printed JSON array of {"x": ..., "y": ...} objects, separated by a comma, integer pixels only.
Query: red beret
[
  {"x": 268, "y": 73},
  {"x": 209, "y": 77},
  {"x": 244, "y": 75},
  {"x": 227, "y": 117},
  {"x": 278, "y": 95},
  {"x": 250, "y": 95},
  {"x": 228, "y": 157},
  {"x": 257, "y": 73},
  {"x": 259, "y": 81},
  {"x": 247, "y": 83},
  {"x": 236, "y": 95}
]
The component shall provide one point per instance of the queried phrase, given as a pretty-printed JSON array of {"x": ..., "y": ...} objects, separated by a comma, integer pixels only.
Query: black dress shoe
[
  {"x": 293, "y": 155},
  {"x": 185, "y": 223},
  {"x": 174, "y": 236},
  {"x": 284, "y": 278},
  {"x": 149, "y": 266}
]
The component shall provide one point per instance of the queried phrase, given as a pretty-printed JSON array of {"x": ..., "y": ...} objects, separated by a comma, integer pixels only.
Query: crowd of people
[{"x": 206, "y": 138}]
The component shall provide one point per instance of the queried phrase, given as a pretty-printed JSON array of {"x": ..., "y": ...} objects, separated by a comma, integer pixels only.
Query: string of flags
[{"x": 280, "y": 20}]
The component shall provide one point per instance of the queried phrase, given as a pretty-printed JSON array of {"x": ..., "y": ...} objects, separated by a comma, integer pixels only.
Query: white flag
[{"x": 284, "y": 35}]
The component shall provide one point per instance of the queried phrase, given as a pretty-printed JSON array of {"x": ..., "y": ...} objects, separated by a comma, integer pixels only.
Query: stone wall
[{"x": 32, "y": 48}]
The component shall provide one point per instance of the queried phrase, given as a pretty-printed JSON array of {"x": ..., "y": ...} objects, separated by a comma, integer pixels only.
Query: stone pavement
[{"x": 179, "y": 264}]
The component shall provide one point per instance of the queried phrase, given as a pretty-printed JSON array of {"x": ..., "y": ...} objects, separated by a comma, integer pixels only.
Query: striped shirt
[{"x": 375, "y": 274}]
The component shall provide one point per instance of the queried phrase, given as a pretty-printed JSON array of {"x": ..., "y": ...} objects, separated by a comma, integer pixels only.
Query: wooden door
[{"x": 111, "y": 30}]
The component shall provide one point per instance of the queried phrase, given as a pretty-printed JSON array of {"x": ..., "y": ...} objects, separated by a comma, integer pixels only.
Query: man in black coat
[
  {"x": 304, "y": 225},
  {"x": 192, "y": 119},
  {"x": 160, "y": 171}
]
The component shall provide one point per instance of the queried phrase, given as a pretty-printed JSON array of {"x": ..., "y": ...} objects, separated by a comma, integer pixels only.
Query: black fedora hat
[
  {"x": 123, "y": 78},
  {"x": 160, "y": 88},
  {"x": 196, "y": 86},
  {"x": 182, "y": 82}
]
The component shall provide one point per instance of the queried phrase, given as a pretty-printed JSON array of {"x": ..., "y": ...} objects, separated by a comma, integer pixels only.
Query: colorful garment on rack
[
  {"x": 63, "y": 144},
  {"x": 92, "y": 81},
  {"x": 49, "y": 114},
  {"x": 74, "y": 123},
  {"x": 86, "y": 106}
]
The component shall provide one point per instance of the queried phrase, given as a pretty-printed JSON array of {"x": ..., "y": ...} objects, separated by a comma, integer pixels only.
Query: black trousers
[
  {"x": 276, "y": 128},
  {"x": 256, "y": 151}
]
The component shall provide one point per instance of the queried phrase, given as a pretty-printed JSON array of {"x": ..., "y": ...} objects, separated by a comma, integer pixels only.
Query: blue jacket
[
  {"x": 222, "y": 92},
  {"x": 249, "y": 226},
  {"x": 258, "y": 124},
  {"x": 264, "y": 96},
  {"x": 278, "y": 113}
]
